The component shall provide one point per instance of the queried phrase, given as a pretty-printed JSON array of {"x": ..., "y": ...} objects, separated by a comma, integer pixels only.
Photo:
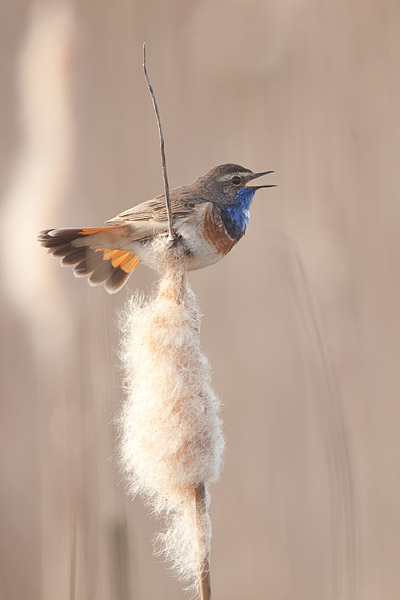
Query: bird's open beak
[{"x": 255, "y": 176}]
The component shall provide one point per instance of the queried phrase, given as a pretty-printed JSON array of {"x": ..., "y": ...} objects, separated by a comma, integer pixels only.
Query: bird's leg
[{"x": 173, "y": 243}]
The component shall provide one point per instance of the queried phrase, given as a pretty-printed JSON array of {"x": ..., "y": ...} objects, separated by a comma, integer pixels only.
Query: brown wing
[{"x": 154, "y": 211}]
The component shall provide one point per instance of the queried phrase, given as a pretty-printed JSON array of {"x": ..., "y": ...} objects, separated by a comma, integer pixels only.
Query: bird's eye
[{"x": 236, "y": 180}]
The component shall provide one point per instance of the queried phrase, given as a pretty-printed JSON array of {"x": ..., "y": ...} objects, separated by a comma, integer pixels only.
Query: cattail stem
[{"x": 204, "y": 567}]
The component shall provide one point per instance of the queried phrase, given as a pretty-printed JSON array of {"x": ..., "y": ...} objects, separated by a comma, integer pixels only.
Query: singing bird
[{"x": 209, "y": 217}]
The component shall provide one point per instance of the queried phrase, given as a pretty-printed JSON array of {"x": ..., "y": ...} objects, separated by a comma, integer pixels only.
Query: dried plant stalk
[
  {"x": 204, "y": 566},
  {"x": 172, "y": 442},
  {"x": 171, "y": 231}
]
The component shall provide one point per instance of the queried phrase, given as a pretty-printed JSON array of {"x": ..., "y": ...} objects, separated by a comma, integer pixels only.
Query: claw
[{"x": 174, "y": 242}]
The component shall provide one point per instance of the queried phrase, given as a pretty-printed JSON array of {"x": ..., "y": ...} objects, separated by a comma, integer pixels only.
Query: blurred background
[{"x": 300, "y": 321}]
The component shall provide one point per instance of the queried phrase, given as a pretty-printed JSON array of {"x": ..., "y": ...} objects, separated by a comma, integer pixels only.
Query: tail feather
[
  {"x": 77, "y": 247},
  {"x": 131, "y": 263},
  {"x": 88, "y": 264},
  {"x": 101, "y": 273},
  {"x": 116, "y": 280},
  {"x": 74, "y": 257},
  {"x": 63, "y": 251},
  {"x": 117, "y": 258},
  {"x": 55, "y": 238}
]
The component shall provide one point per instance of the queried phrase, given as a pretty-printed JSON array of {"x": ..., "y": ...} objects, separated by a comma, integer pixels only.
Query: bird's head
[{"x": 229, "y": 183}]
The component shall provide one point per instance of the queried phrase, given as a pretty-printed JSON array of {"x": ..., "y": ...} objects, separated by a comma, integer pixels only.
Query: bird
[{"x": 209, "y": 216}]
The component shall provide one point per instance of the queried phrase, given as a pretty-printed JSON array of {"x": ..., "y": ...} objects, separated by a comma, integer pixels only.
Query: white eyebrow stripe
[{"x": 228, "y": 177}]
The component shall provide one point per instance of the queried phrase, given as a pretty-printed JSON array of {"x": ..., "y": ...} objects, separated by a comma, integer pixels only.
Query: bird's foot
[{"x": 174, "y": 242}]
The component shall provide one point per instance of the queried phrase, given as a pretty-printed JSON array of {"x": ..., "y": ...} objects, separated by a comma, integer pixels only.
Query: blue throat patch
[{"x": 235, "y": 216}]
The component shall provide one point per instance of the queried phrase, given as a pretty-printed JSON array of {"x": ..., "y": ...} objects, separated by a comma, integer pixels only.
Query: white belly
[{"x": 199, "y": 253}]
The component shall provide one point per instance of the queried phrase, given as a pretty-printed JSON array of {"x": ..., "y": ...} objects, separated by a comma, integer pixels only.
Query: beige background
[{"x": 300, "y": 321}]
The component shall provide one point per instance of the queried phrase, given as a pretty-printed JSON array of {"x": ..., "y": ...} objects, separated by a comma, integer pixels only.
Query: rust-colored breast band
[{"x": 215, "y": 233}]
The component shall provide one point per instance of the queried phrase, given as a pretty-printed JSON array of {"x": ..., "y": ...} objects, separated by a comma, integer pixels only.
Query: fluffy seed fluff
[{"x": 171, "y": 432}]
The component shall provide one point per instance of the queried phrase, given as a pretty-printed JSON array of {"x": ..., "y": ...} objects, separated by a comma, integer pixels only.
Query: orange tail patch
[
  {"x": 92, "y": 230},
  {"x": 120, "y": 258}
]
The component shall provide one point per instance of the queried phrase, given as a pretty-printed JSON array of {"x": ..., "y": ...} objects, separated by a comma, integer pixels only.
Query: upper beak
[{"x": 255, "y": 176}]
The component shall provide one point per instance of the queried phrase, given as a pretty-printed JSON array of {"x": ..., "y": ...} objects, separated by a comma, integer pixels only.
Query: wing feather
[{"x": 153, "y": 213}]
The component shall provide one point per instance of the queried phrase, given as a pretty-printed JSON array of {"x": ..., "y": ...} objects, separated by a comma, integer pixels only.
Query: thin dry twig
[{"x": 171, "y": 232}]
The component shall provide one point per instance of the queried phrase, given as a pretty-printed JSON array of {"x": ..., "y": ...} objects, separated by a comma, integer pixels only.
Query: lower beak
[{"x": 256, "y": 176}]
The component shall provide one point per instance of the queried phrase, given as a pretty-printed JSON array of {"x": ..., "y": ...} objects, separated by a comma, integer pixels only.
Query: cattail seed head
[{"x": 171, "y": 438}]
